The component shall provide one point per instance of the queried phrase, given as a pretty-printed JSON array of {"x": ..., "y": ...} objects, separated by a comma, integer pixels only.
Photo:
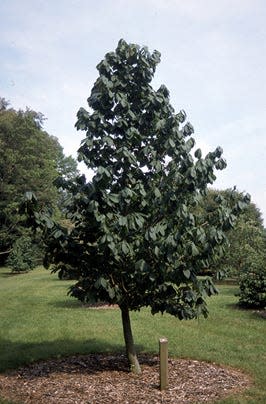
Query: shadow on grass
[
  {"x": 259, "y": 314},
  {"x": 92, "y": 351},
  {"x": 234, "y": 306},
  {"x": 240, "y": 309},
  {"x": 76, "y": 304},
  {"x": 67, "y": 304},
  {"x": 11, "y": 274}
]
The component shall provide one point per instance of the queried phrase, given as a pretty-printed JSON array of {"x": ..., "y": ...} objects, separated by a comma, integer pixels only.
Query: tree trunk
[{"x": 130, "y": 347}]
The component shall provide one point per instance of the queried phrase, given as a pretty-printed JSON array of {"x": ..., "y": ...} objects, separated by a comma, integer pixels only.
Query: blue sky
[{"x": 213, "y": 62}]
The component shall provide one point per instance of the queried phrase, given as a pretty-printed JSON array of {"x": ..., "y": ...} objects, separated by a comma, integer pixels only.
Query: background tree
[
  {"x": 30, "y": 160},
  {"x": 246, "y": 239},
  {"x": 136, "y": 240}
]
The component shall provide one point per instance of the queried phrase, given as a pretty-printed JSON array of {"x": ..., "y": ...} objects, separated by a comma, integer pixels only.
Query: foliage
[
  {"x": 23, "y": 255},
  {"x": 136, "y": 240},
  {"x": 30, "y": 160},
  {"x": 245, "y": 254},
  {"x": 252, "y": 282},
  {"x": 246, "y": 238},
  {"x": 249, "y": 211},
  {"x": 66, "y": 271},
  {"x": 253, "y": 286}
]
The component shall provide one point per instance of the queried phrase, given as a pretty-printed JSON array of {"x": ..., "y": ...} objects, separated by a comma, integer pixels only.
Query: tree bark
[{"x": 130, "y": 347}]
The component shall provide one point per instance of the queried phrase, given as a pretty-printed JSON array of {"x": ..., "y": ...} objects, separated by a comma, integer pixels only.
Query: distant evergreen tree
[{"x": 23, "y": 256}]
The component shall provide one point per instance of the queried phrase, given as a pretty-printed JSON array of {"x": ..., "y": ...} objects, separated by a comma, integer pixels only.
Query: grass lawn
[{"x": 38, "y": 321}]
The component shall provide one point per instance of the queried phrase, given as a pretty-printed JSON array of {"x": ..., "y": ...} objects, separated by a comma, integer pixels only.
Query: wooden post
[{"x": 163, "y": 345}]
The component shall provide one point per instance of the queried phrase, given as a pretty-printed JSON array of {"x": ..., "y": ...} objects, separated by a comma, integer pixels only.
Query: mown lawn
[{"x": 38, "y": 321}]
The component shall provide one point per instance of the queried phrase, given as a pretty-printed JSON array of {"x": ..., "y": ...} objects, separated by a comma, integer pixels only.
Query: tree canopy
[
  {"x": 246, "y": 238},
  {"x": 30, "y": 160},
  {"x": 136, "y": 239}
]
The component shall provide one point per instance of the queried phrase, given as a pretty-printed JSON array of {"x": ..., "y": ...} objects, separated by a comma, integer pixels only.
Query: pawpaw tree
[{"x": 136, "y": 239}]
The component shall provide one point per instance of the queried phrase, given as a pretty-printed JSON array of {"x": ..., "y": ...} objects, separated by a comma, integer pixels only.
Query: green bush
[
  {"x": 23, "y": 255},
  {"x": 253, "y": 284}
]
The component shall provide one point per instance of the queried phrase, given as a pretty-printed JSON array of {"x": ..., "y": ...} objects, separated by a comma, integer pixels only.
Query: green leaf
[
  {"x": 114, "y": 198},
  {"x": 157, "y": 193},
  {"x": 156, "y": 251},
  {"x": 141, "y": 265},
  {"x": 100, "y": 282},
  {"x": 161, "y": 228},
  {"x": 186, "y": 273},
  {"x": 109, "y": 141},
  {"x": 194, "y": 250},
  {"x": 58, "y": 234},
  {"x": 125, "y": 248},
  {"x": 152, "y": 234},
  {"x": 112, "y": 247},
  {"x": 111, "y": 292},
  {"x": 49, "y": 223},
  {"x": 171, "y": 143},
  {"x": 139, "y": 221},
  {"x": 198, "y": 154},
  {"x": 122, "y": 221}
]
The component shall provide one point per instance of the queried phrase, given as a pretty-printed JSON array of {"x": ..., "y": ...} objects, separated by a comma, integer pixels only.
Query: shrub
[
  {"x": 253, "y": 284},
  {"x": 23, "y": 255}
]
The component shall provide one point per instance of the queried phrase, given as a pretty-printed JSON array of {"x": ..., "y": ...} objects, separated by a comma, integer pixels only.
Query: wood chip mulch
[{"x": 104, "y": 379}]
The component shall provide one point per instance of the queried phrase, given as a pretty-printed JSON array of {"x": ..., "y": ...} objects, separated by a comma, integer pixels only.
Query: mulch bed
[{"x": 104, "y": 379}]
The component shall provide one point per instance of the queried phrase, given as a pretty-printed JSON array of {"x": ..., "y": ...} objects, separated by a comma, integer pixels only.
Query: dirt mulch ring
[{"x": 104, "y": 379}]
